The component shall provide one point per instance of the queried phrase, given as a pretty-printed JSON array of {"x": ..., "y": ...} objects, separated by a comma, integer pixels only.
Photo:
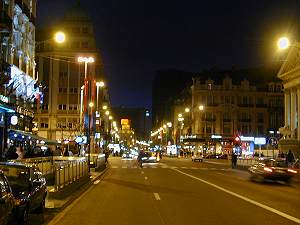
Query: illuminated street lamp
[
  {"x": 104, "y": 107},
  {"x": 201, "y": 107},
  {"x": 107, "y": 113},
  {"x": 110, "y": 117},
  {"x": 99, "y": 85},
  {"x": 60, "y": 37},
  {"x": 86, "y": 60},
  {"x": 187, "y": 110},
  {"x": 91, "y": 104},
  {"x": 283, "y": 43},
  {"x": 179, "y": 115}
]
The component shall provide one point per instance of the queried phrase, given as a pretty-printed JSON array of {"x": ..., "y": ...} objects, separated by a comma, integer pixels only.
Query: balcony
[{"x": 227, "y": 120}]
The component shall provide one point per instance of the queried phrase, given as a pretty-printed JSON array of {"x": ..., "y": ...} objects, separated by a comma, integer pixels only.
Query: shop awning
[{"x": 22, "y": 135}]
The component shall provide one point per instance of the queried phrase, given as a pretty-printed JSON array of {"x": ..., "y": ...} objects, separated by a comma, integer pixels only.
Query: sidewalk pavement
[{"x": 60, "y": 199}]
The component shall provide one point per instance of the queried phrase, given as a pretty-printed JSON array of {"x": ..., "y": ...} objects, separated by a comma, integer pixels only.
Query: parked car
[
  {"x": 197, "y": 157},
  {"x": 7, "y": 201},
  {"x": 28, "y": 187},
  {"x": 271, "y": 169}
]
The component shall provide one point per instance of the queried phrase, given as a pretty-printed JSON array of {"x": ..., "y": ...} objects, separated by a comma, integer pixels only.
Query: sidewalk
[{"x": 63, "y": 197}]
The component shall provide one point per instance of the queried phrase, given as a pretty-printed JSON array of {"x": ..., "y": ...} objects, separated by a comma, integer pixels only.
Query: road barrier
[{"x": 61, "y": 171}]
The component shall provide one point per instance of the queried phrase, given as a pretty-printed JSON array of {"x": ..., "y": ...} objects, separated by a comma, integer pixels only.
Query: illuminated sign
[
  {"x": 14, "y": 120},
  {"x": 124, "y": 121},
  {"x": 3, "y": 98},
  {"x": 247, "y": 138},
  {"x": 260, "y": 141},
  {"x": 216, "y": 136}
]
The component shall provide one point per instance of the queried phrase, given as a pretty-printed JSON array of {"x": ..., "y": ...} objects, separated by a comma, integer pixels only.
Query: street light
[
  {"x": 283, "y": 43},
  {"x": 99, "y": 84},
  {"x": 187, "y": 110},
  {"x": 201, "y": 107},
  {"x": 60, "y": 37}
]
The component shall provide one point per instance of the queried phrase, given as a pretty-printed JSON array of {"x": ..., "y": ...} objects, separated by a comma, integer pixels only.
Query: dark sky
[{"x": 138, "y": 37}]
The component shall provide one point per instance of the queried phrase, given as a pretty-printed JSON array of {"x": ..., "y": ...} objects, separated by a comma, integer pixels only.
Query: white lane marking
[
  {"x": 114, "y": 167},
  {"x": 96, "y": 182},
  {"x": 287, "y": 216},
  {"x": 146, "y": 178},
  {"x": 183, "y": 167},
  {"x": 156, "y": 195},
  {"x": 123, "y": 167}
]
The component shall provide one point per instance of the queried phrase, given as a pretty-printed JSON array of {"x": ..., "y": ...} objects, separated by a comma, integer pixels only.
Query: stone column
[
  {"x": 298, "y": 113},
  {"x": 287, "y": 108},
  {"x": 293, "y": 109}
]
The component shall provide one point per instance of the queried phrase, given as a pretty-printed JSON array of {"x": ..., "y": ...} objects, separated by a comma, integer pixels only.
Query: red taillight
[
  {"x": 292, "y": 171},
  {"x": 268, "y": 169}
]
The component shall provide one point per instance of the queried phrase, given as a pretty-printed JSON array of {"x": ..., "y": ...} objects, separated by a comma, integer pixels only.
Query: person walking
[
  {"x": 233, "y": 160},
  {"x": 106, "y": 155},
  {"x": 290, "y": 158}
]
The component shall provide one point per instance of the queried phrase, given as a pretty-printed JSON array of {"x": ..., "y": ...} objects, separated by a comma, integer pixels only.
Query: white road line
[
  {"x": 183, "y": 167},
  {"x": 287, "y": 216},
  {"x": 114, "y": 167},
  {"x": 156, "y": 195},
  {"x": 96, "y": 182}
]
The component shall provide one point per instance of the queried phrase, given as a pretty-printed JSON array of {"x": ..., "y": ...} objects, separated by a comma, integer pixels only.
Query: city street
[{"x": 181, "y": 192}]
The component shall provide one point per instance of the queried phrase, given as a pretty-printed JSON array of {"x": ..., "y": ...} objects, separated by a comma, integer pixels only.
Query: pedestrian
[
  {"x": 233, "y": 160},
  {"x": 106, "y": 155},
  {"x": 290, "y": 158}
]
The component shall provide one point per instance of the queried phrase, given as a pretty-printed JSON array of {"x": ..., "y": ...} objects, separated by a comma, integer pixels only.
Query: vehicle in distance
[
  {"x": 28, "y": 187},
  {"x": 197, "y": 157},
  {"x": 148, "y": 158},
  {"x": 271, "y": 169},
  {"x": 7, "y": 201}
]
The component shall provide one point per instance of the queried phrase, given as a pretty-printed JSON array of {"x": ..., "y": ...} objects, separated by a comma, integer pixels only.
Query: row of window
[
  {"x": 228, "y": 130},
  {"x": 73, "y": 107},
  {"x": 65, "y": 90},
  {"x": 61, "y": 123},
  {"x": 240, "y": 100}
]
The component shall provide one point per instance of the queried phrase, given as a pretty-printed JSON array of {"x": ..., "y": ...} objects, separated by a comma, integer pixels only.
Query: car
[
  {"x": 271, "y": 169},
  {"x": 198, "y": 158},
  {"x": 7, "y": 201},
  {"x": 148, "y": 158},
  {"x": 127, "y": 156},
  {"x": 28, "y": 186}
]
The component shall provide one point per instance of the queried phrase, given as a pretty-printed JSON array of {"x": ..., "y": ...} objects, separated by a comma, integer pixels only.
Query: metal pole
[
  {"x": 89, "y": 141},
  {"x": 81, "y": 108}
]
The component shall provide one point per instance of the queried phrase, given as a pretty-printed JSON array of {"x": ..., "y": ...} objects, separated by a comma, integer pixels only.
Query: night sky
[{"x": 138, "y": 37}]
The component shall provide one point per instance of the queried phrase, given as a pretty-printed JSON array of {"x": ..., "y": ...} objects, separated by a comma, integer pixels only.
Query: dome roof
[{"x": 77, "y": 13}]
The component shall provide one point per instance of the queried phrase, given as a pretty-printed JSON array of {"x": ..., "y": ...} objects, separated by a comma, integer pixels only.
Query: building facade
[
  {"x": 19, "y": 91},
  {"x": 290, "y": 75},
  {"x": 60, "y": 117}
]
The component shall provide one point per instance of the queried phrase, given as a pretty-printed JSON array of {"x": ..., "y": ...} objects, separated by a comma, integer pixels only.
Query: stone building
[
  {"x": 290, "y": 74},
  {"x": 58, "y": 117}
]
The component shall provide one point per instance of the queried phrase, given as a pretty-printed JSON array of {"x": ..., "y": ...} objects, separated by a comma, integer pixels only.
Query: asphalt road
[{"x": 182, "y": 192}]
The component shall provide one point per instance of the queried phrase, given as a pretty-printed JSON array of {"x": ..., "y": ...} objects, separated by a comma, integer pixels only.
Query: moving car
[
  {"x": 197, "y": 157},
  {"x": 271, "y": 169},
  {"x": 28, "y": 187},
  {"x": 7, "y": 201},
  {"x": 148, "y": 158}
]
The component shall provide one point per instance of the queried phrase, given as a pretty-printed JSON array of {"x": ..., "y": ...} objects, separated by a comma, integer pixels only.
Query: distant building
[
  {"x": 140, "y": 120},
  {"x": 58, "y": 117},
  {"x": 250, "y": 104}
]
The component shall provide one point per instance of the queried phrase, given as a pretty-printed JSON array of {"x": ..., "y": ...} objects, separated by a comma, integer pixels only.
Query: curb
[{"x": 79, "y": 190}]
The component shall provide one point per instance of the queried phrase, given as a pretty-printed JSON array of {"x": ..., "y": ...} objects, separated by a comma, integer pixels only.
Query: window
[
  {"x": 85, "y": 30},
  {"x": 60, "y": 90},
  {"x": 65, "y": 90},
  {"x": 75, "y": 44},
  {"x": 44, "y": 107},
  {"x": 62, "y": 107},
  {"x": 227, "y": 100},
  {"x": 71, "y": 90},
  {"x": 75, "y": 30},
  {"x": 73, "y": 107},
  {"x": 84, "y": 44}
]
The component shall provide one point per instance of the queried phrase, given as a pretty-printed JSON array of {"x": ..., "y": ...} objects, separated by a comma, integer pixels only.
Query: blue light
[{"x": 7, "y": 109}]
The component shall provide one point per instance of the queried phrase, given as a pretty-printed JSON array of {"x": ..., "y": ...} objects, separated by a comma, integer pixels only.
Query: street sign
[{"x": 273, "y": 141}]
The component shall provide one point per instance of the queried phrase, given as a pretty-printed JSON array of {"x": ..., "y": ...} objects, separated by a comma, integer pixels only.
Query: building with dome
[{"x": 59, "y": 117}]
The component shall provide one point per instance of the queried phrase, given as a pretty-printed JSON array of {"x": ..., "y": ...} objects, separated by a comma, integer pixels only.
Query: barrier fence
[{"x": 61, "y": 171}]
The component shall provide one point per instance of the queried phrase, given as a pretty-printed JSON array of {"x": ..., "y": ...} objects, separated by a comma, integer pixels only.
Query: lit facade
[
  {"x": 228, "y": 109},
  {"x": 59, "y": 116},
  {"x": 290, "y": 74},
  {"x": 19, "y": 91}
]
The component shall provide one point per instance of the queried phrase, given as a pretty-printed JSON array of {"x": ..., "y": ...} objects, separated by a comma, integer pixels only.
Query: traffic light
[{"x": 237, "y": 141}]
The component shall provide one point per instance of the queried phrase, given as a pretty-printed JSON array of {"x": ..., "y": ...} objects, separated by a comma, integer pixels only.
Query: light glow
[{"x": 283, "y": 43}]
